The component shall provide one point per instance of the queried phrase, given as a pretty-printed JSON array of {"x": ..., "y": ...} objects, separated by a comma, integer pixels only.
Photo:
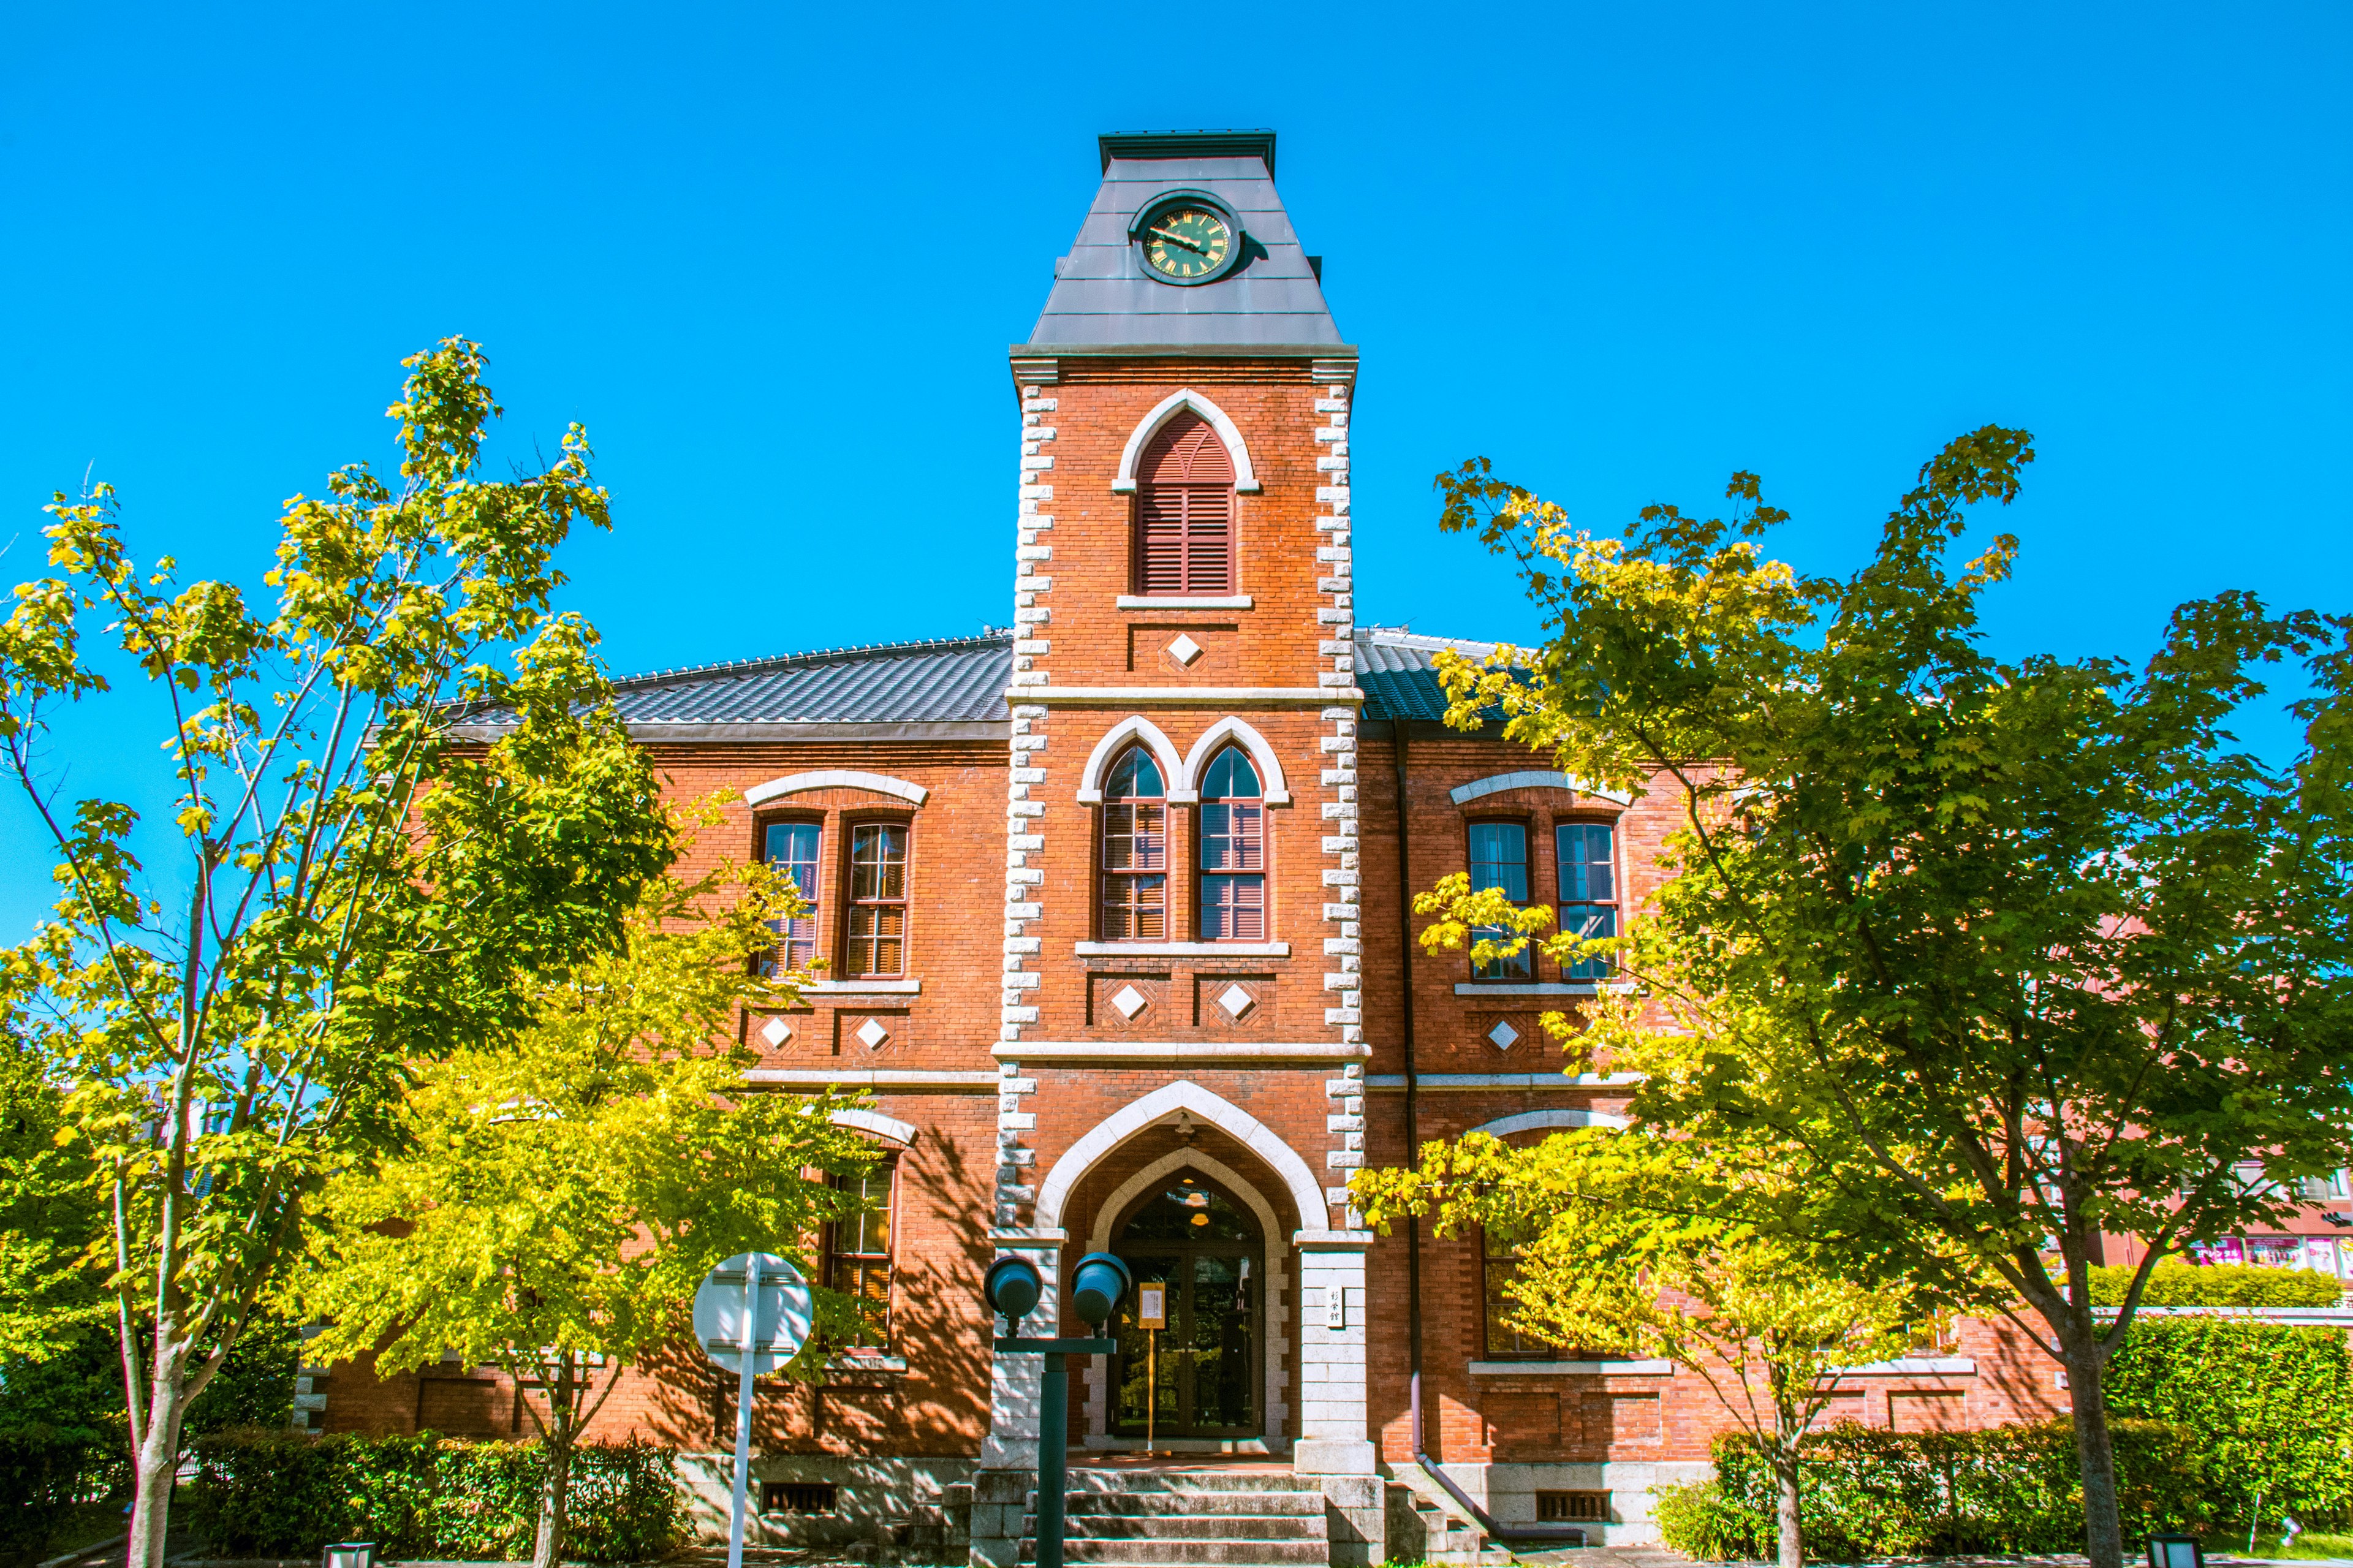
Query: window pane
[
  {"x": 1592, "y": 922},
  {"x": 792, "y": 848},
  {"x": 1233, "y": 909},
  {"x": 1230, "y": 777},
  {"x": 1586, "y": 874},
  {"x": 1135, "y": 909},
  {"x": 1499, "y": 859}
]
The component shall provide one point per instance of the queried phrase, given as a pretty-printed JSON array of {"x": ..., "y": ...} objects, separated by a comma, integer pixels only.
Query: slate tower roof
[{"x": 1102, "y": 297}]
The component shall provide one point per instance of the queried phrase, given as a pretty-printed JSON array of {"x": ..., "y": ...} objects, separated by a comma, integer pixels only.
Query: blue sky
[{"x": 1622, "y": 251}]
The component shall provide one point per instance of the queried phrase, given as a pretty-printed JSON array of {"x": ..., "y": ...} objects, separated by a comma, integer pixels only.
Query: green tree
[
  {"x": 553, "y": 1203},
  {"x": 354, "y": 884},
  {"x": 2023, "y": 950},
  {"x": 1637, "y": 1244},
  {"x": 51, "y": 1224}
]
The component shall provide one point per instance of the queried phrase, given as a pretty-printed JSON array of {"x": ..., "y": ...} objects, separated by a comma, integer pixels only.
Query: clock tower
[{"x": 1182, "y": 1005}]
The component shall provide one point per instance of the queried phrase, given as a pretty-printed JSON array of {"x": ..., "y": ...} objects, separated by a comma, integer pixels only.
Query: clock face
[{"x": 1188, "y": 242}]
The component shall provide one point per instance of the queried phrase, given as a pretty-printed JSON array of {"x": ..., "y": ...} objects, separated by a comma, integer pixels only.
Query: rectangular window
[
  {"x": 1233, "y": 872},
  {"x": 1499, "y": 859},
  {"x": 1134, "y": 872},
  {"x": 1589, "y": 890},
  {"x": 878, "y": 901},
  {"x": 1500, "y": 1266},
  {"x": 857, "y": 1253},
  {"x": 792, "y": 849}
]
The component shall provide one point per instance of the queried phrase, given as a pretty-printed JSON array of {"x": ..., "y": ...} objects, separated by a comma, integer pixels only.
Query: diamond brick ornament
[
  {"x": 1130, "y": 1002},
  {"x": 1503, "y": 1035},
  {"x": 778, "y": 1032},
  {"x": 872, "y": 1033},
  {"x": 1186, "y": 650},
  {"x": 1236, "y": 1001}
]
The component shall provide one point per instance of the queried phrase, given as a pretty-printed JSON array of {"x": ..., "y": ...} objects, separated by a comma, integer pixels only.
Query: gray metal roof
[
  {"x": 948, "y": 679},
  {"x": 1398, "y": 671},
  {"x": 944, "y": 689},
  {"x": 1101, "y": 294}
]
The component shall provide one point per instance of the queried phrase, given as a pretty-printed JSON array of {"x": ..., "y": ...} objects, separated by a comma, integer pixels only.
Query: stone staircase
[
  {"x": 1425, "y": 1526},
  {"x": 1144, "y": 1519}
]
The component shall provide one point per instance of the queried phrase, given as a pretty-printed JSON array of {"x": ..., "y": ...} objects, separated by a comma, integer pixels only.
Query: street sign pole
[
  {"x": 743, "y": 1413},
  {"x": 776, "y": 1315}
]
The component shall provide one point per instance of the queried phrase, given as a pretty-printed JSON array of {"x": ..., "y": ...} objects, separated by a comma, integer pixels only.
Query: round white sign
[{"x": 780, "y": 1327}]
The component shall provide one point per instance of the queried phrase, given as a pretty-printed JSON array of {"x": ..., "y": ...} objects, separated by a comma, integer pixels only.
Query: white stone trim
[
  {"x": 888, "y": 1128},
  {"x": 1534, "y": 778},
  {"x": 1483, "y": 1081},
  {"x": 1529, "y": 1120},
  {"x": 1245, "y": 475},
  {"x": 835, "y": 778},
  {"x": 1539, "y": 988},
  {"x": 1921, "y": 1365},
  {"x": 1278, "y": 1279},
  {"x": 1183, "y": 1050},
  {"x": 1182, "y": 949},
  {"x": 1161, "y": 1104},
  {"x": 1115, "y": 739},
  {"x": 869, "y": 1078},
  {"x": 1186, "y": 696},
  {"x": 859, "y": 987},
  {"x": 1572, "y": 1368},
  {"x": 1277, "y": 790},
  {"x": 1182, "y": 602}
]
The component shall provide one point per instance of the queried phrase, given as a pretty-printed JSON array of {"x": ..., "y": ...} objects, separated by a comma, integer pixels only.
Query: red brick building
[{"x": 1110, "y": 908}]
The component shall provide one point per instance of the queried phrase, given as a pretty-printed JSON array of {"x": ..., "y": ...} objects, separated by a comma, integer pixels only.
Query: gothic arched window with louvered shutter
[{"x": 1185, "y": 512}]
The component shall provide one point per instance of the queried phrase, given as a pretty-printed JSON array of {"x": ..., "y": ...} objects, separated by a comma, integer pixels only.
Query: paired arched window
[
  {"x": 1135, "y": 850},
  {"x": 1231, "y": 845},
  {"x": 1185, "y": 512}
]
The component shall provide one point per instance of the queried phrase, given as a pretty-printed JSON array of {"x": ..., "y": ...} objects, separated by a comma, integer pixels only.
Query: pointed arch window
[
  {"x": 1134, "y": 872},
  {"x": 1185, "y": 512},
  {"x": 1233, "y": 850}
]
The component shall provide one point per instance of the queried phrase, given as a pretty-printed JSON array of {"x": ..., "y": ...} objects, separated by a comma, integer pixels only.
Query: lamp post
[{"x": 1097, "y": 1287}]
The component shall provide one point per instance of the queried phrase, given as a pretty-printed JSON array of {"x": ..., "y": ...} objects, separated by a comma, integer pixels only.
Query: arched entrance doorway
[{"x": 1187, "y": 1232}]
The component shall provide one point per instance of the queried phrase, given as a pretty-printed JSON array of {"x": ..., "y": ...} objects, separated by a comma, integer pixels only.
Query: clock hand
[{"x": 1187, "y": 244}]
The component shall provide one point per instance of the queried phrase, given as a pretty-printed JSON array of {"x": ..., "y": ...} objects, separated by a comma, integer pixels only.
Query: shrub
[
  {"x": 279, "y": 1493},
  {"x": 1698, "y": 1521},
  {"x": 2266, "y": 1400},
  {"x": 1868, "y": 1492},
  {"x": 2175, "y": 1283}
]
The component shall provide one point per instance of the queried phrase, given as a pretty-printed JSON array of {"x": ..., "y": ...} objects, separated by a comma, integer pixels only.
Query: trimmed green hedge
[
  {"x": 282, "y": 1494},
  {"x": 2268, "y": 1402},
  {"x": 2174, "y": 1283},
  {"x": 1866, "y": 1492}
]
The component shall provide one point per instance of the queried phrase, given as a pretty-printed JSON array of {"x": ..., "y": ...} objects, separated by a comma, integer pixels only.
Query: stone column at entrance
[{"x": 1334, "y": 1438}]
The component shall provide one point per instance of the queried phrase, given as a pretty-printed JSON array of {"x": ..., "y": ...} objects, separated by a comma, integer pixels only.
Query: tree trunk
[
  {"x": 1792, "y": 1535},
  {"x": 2103, "y": 1536},
  {"x": 155, "y": 1463},
  {"x": 547, "y": 1547}
]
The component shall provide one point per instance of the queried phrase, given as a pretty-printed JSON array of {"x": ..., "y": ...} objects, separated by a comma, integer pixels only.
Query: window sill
[
  {"x": 1946, "y": 1366},
  {"x": 1572, "y": 1368},
  {"x": 1525, "y": 988},
  {"x": 1184, "y": 602},
  {"x": 1184, "y": 949},
  {"x": 862, "y": 988}
]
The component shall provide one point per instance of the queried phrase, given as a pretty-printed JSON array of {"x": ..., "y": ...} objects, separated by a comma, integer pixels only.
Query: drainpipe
[{"x": 1558, "y": 1534}]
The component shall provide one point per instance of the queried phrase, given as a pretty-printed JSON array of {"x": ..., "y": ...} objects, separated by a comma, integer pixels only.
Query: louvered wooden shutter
[{"x": 1185, "y": 512}]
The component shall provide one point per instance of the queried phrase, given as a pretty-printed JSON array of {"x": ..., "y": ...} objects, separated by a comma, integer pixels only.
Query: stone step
[
  {"x": 1084, "y": 1481},
  {"x": 1304, "y": 1503},
  {"x": 1186, "y": 1527},
  {"x": 1188, "y": 1554}
]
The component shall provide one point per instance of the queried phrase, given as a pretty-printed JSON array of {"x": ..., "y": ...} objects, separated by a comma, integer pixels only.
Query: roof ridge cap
[{"x": 992, "y": 639}]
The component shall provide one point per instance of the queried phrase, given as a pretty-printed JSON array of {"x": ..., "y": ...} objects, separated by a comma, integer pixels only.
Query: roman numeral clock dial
[{"x": 1187, "y": 242}]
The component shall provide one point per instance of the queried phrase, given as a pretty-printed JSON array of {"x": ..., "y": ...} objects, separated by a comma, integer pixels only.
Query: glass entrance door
[{"x": 1204, "y": 1370}]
